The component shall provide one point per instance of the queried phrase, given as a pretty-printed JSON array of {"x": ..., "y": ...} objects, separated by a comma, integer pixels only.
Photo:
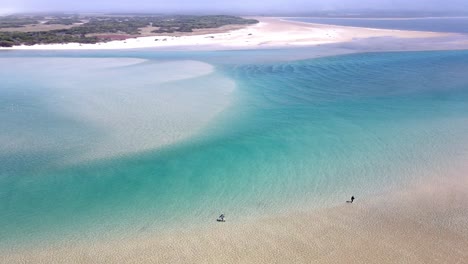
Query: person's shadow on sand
[{"x": 352, "y": 200}]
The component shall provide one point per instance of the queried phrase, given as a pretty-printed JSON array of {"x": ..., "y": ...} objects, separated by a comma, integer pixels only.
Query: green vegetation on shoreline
[
  {"x": 86, "y": 29},
  {"x": 16, "y": 22}
]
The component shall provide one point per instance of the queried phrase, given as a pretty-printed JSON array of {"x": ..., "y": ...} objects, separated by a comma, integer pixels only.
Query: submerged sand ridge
[{"x": 121, "y": 106}]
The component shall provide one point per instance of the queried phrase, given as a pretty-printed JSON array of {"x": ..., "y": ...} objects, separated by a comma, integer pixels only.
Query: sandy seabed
[{"x": 425, "y": 223}]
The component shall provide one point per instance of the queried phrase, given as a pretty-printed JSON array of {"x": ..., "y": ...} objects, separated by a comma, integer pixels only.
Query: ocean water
[
  {"x": 119, "y": 143},
  {"x": 442, "y": 24}
]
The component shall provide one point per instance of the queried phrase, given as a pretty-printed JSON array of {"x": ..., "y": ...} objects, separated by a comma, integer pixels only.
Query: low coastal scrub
[
  {"x": 8, "y": 39},
  {"x": 84, "y": 29},
  {"x": 18, "y": 21},
  {"x": 189, "y": 23}
]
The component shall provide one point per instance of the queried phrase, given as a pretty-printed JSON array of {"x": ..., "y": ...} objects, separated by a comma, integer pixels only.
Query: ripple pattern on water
[{"x": 299, "y": 135}]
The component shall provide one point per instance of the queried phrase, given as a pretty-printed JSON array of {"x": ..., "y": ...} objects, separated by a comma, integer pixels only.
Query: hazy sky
[{"x": 230, "y": 6}]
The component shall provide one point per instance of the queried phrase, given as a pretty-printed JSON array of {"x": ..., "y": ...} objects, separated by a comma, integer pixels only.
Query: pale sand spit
[{"x": 269, "y": 33}]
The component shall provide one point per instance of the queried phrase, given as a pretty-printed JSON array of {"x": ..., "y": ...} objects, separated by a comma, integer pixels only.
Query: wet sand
[{"x": 427, "y": 223}]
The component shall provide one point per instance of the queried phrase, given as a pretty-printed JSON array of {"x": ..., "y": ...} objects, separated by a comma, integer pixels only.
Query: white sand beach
[{"x": 269, "y": 33}]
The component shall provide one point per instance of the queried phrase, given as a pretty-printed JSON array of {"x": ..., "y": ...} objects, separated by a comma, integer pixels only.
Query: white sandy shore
[
  {"x": 270, "y": 32},
  {"x": 427, "y": 223}
]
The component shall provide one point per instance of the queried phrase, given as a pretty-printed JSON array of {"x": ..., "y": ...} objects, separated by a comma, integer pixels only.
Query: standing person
[
  {"x": 352, "y": 199},
  {"x": 220, "y": 218}
]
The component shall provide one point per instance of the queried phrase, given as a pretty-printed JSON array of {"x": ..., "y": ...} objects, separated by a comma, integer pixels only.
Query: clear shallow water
[
  {"x": 297, "y": 135},
  {"x": 456, "y": 25}
]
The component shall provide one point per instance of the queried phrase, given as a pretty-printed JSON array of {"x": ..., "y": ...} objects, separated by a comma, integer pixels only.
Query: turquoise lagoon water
[
  {"x": 436, "y": 24},
  {"x": 292, "y": 135}
]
